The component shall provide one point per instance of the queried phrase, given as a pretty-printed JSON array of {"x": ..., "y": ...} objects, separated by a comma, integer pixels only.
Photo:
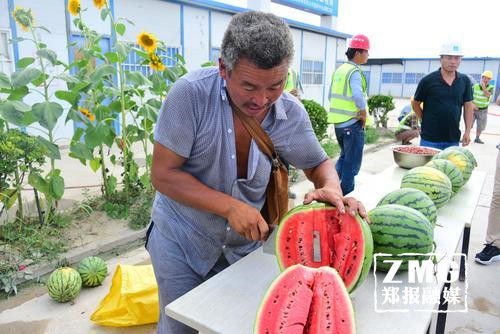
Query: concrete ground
[{"x": 39, "y": 314}]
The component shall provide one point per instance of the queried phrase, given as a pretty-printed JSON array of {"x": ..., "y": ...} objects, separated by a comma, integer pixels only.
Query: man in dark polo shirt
[{"x": 443, "y": 94}]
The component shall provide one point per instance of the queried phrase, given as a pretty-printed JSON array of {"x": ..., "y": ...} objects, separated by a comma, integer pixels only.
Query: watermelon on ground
[
  {"x": 93, "y": 271},
  {"x": 306, "y": 300},
  {"x": 345, "y": 241},
  {"x": 398, "y": 229},
  {"x": 64, "y": 284}
]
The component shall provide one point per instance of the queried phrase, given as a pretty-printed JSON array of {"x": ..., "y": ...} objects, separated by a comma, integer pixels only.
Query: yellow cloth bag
[{"x": 132, "y": 299}]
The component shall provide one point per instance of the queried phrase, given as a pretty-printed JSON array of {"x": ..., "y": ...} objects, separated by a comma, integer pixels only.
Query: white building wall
[
  {"x": 160, "y": 18},
  {"x": 4, "y": 16},
  {"x": 297, "y": 45},
  {"x": 6, "y": 66},
  {"x": 471, "y": 67},
  {"x": 331, "y": 56},
  {"x": 219, "y": 24},
  {"x": 196, "y": 38},
  {"x": 51, "y": 15},
  {"x": 313, "y": 49},
  {"x": 392, "y": 89}
]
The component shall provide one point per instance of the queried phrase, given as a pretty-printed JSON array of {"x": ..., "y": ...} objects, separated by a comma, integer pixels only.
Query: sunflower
[
  {"x": 86, "y": 113},
  {"x": 99, "y": 3},
  {"x": 155, "y": 62},
  {"x": 23, "y": 17},
  {"x": 74, "y": 7},
  {"x": 147, "y": 41}
]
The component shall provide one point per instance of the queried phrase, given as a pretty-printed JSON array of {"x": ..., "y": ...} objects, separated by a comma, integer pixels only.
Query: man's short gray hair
[{"x": 262, "y": 38}]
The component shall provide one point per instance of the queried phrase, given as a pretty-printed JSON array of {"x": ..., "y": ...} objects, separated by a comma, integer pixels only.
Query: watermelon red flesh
[
  {"x": 306, "y": 300},
  {"x": 341, "y": 237}
]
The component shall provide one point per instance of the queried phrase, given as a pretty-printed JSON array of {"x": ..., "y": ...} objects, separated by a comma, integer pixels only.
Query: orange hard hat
[{"x": 360, "y": 42}]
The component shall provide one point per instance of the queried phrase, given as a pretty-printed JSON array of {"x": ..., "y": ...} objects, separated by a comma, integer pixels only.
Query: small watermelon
[
  {"x": 398, "y": 229},
  {"x": 64, "y": 284},
  {"x": 460, "y": 160},
  {"x": 412, "y": 198},
  {"x": 93, "y": 270},
  {"x": 449, "y": 168},
  {"x": 306, "y": 300},
  {"x": 431, "y": 181}
]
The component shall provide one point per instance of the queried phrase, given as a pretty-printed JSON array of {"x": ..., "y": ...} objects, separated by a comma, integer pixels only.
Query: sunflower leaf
[
  {"x": 104, "y": 14},
  {"x": 120, "y": 28},
  {"x": 24, "y": 62}
]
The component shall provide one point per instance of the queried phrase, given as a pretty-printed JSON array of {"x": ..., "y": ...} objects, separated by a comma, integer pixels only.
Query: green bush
[
  {"x": 331, "y": 147},
  {"x": 371, "y": 135},
  {"x": 379, "y": 106},
  {"x": 318, "y": 117}
]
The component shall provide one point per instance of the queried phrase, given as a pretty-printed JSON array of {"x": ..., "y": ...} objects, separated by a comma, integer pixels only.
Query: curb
[{"x": 74, "y": 256}]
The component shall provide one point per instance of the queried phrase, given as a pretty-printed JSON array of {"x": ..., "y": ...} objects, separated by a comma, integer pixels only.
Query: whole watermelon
[
  {"x": 460, "y": 160},
  {"x": 398, "y": 229},
  {"x": 465, "y": 151},
  {"x": 449, "y": 168},
  {"x": 412, "y": 198},
  {"x": 431, "y": 181},
  {"x": 64, "y": 284},
  {"x": 93, "y": 270}
]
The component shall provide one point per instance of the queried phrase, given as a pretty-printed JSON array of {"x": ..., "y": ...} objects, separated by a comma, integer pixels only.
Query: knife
[{"x": 269, "y": 246}]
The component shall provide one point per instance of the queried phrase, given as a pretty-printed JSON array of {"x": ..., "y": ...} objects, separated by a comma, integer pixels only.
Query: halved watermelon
[
  {"x": 345, "y": 242},
  {"x": 306, "y": 300}
]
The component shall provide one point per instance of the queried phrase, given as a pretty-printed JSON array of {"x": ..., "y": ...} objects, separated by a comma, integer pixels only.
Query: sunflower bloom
[
  {"x": 86, "y": 113},
  {"x": 74, "y": 7},
  {"x": 155, "y": 62},
  {"x": 147, "y": 41},
  {"x": 23, "y": 17},
  {"x": 99, "y": 3}
]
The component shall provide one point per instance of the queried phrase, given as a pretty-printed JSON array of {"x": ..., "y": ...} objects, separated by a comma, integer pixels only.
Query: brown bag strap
[{"x": 259, "y": 135}]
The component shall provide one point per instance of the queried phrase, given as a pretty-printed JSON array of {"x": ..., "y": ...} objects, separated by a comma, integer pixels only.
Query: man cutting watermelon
[{"x": 210, "y": 177}]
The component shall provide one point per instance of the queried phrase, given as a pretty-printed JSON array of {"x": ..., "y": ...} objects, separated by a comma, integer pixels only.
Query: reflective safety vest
[
  {"x": 292, "y": 81},
  {"x": 402, "y": 124},
  {"x": 480, "y": 100},
  {"x": 342, "y": 106}
]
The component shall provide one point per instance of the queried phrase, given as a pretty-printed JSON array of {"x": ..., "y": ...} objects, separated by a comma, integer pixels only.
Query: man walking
[
  {"x": 483, "y": 92},
  {"x": 348, "y": 108},
  {"x": 444, "y": 93}
]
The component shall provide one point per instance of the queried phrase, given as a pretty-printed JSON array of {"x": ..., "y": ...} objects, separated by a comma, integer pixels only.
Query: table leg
[
  {"x": 441, "y": 317},
  {"x": 465, "y": 250}
]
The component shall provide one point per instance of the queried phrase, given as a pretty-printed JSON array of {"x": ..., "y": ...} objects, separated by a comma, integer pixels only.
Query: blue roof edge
[
  {"x": 437, "y": 58},
  {"x": 222, "y": 7}
]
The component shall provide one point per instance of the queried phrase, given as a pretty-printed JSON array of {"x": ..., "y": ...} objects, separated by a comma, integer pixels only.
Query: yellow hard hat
[{"x": 487, "y": 74}]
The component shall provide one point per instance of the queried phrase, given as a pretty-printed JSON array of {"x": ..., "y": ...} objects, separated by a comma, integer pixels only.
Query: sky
[{"x": 413, "y": 29}]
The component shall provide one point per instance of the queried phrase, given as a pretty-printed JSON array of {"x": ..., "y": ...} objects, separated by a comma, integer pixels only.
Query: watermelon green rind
[
  {"x": 465, "y": 151},
  {"x": 450, "y": 170},
  {"x": 64, "y": 284},
  {"x": 460, "y": 160},
  {"x": 367, "y": 262},
  {"x": 413, "y": 198},
  {"x": 93, "y": 271},
  {"x": 431, "y": 181}
]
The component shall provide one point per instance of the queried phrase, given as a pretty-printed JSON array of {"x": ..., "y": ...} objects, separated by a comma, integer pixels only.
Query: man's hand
[
  {"x": 247, "y": 221},
  {"x": 334, "y": 197},
  {"x": 483, "y": 85},
  {"x": 466, "y": 138},
  {"x": 362, "y": 117}
]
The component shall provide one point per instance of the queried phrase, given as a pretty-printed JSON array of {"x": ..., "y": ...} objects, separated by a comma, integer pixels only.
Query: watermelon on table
[
  {"x": 460, "y": 160},
  {"x": 431, "y": 181},
  {"x": 398, "y": 229},
  {"x": 306, "y": 300},
  {"x": 465, "y": 151},
  {"x": 64, "y": 284},
  {"x": 413, "y": 198},
  {"x": 93, "y": 271},
  {"x": 345, "y": 241},
  {"x": 448, "y": 168}
]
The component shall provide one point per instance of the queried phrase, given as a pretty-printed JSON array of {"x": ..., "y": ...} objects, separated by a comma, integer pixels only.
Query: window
[
  {"x": 134, "y": 61},
  {"x": 6, "y": 63},
  {"x": 312, "y": 72},
  {"x": 392, "y": 77},
  {"x": 413, "y": 78}
]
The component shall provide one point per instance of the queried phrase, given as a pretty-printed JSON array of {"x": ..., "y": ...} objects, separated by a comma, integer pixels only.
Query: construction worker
[
  {"x": 408, "y": 127},
  {"x": 293, "y": 85},
  {"x": 444, "y": 93},
  {"x": 482, "y": 93},
  {"x": 348, "y": 111}
]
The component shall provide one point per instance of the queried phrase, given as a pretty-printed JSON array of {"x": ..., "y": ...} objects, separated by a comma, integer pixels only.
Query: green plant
[
  {"x": 138, "y": 216},
  {"x": 331, "y": 147},
  {"x": 318, "y": 116},
  {"x": 379, "y": 106},
  {"x": 371, "y": 135}
]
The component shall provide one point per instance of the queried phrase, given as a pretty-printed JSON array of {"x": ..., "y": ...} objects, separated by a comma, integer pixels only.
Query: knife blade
[
  {"x": 316, "y": 246},
  {"x": 269, "y": 246}
]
